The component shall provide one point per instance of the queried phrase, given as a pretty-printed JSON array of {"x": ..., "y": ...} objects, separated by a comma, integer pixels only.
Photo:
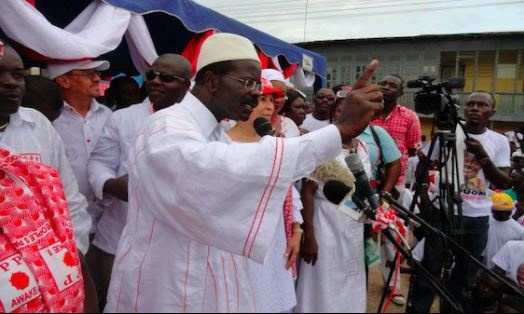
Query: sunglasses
[
  {"x": 165, "y": 77},
  {"x": 90, "y": 74},
  {"x": 322, "y": 97}
]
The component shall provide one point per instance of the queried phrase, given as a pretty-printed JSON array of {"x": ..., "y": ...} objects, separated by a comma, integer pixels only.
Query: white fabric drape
[
  {"x": 140, "y": 44},
  {"x": 97, "y": 30},
  {"x": 302, "y": 80}
]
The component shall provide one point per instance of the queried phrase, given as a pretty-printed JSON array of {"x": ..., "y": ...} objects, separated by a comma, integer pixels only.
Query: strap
[{"x": 377, "y": 141}]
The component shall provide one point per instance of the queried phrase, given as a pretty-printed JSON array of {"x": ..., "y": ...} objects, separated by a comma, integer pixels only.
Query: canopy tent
[{"x": 95, "y": 28}]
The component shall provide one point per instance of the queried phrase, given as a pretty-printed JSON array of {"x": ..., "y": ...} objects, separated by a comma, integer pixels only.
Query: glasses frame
[
  {"x": 248, "y": 83},
  {"x": 165, "y": 77}
]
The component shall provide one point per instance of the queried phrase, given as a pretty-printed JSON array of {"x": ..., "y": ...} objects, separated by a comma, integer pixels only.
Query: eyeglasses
[
  {"x": 165, "y": 77},
  {"x": 90, "y": 74},
  {"x": 249, "y": 84},
  {"x": 322, "y": 97}
]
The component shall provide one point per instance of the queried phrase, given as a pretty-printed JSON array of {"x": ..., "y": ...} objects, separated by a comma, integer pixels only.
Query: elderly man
[
  {"x": 28, "y": 133},
  {"x": 167, "y": 83},
  {"x": 199, "y": 207},
  {"x": 82, "y": 119}
]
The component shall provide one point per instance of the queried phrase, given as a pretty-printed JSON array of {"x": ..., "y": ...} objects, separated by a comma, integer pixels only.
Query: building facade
[{"x": 488, "y": 62}]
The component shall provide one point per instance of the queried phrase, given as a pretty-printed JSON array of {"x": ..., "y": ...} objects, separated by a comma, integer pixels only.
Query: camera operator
[{"x": 486, "y": 161}]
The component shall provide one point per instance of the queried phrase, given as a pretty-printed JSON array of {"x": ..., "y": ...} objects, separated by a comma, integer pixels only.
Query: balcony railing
[{"x": 510, "y": 106}]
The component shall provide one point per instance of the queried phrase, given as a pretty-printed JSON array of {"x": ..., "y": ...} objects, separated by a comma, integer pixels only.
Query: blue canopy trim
[{"x": 197, "y": 19}]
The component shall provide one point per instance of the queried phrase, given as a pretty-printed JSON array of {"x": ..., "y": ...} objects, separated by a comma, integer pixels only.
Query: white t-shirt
[
  {"x": 289, "y": 128},
  {"x": 411, "y": 169},
  {"x": 510, "y": 257},
  {"x": 311, "y": 123},
  {"x": 476, "y": 194},
  {"x": 500, "y": 232},
  {"x": 475, "y": 190}
]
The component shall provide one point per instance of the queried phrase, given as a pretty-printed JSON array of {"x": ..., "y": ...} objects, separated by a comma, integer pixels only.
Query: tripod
[{"x": 449, "y": 200}]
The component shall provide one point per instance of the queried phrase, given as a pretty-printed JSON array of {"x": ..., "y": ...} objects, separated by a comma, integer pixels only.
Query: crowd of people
[{"x": 169, "y": 199}]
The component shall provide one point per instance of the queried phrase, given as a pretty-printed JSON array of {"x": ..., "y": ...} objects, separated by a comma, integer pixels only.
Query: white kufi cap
[{"x": 222, "y": 47}]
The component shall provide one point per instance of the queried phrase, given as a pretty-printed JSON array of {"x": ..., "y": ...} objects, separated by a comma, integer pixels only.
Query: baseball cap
[
  {"x": 54, "y": 70},
  {"x": 502, "y": 202}
]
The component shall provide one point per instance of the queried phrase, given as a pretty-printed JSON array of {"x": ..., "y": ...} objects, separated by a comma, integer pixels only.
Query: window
[
  {"x": 331, "y": 76},
  {"x": 485, "y": 70},
  {"x": 394, "y": 68},
  {"x": 467, "y": 69},
  {"x": 447, "y": 65},
  {"x": 506, "y": 71},
  {"x": 411, "y": 72},
  {"x": 345, "y": 74}
]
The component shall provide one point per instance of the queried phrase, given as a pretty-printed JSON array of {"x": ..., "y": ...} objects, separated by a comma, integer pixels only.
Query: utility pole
[{"x": 305, "y": 20}]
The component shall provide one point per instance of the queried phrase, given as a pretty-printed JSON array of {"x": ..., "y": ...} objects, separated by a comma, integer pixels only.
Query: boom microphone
[
  {"x": 335, "y": 191},
  {"x": 364, "y": 190},
  {"x": 338, "y": 193},
  {"x": 263, "y": 127}
]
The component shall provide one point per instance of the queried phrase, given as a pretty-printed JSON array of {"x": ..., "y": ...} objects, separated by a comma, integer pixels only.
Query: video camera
[{"x": 438, "y": 99}]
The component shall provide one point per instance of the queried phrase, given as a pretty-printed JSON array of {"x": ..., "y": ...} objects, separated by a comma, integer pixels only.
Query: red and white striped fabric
[
  {"x": 97, "y": 30},
  {"x": 39, "y": 264}
]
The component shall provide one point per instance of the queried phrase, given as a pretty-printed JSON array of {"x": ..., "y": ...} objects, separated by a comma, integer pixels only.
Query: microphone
[
  {"x": 338, "y": 193},
  {"x": 263, "y": 127},
  {"x": 364, "y": 190}
]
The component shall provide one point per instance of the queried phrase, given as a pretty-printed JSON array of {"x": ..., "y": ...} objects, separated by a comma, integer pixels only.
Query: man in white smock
[{"x": 198, "y": 207}]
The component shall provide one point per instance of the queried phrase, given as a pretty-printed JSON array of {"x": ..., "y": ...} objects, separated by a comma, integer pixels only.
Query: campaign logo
[
  {"x": 19, "y": 286},
  {"x": 56, "y": 257}
]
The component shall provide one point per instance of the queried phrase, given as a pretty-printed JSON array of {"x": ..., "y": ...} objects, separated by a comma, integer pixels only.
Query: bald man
[
  {"x": 167, "y": 83},
  {"x": 321, "y": 116}
]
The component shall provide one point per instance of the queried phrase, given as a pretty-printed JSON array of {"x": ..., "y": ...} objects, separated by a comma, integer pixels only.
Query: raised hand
[
  {"x": 362, "y": 105},
  {"x": 475, "y": 147}
]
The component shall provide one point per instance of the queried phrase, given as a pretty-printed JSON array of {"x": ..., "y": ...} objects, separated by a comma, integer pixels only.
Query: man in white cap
[
  {"x": 82, "y": 118},
  {"x": 199, "y": 207}
]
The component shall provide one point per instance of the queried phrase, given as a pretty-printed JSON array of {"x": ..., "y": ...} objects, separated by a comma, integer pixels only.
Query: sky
[{"x": 298, "y": 21}]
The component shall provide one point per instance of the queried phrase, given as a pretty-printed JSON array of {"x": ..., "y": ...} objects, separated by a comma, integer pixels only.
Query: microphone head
[
  {"x": 354, "y": 164},
  {"x": 335, "y": 191},
  {"x": 263, "y": 127}
]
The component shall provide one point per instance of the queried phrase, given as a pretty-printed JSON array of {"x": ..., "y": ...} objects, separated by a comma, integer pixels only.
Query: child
[{"x": 502, "y": 228}]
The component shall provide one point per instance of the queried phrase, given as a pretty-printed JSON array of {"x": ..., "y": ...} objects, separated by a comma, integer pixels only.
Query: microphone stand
[
  {"x": 443, "y": 292},
  {"x": 448, "y": 239}
]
